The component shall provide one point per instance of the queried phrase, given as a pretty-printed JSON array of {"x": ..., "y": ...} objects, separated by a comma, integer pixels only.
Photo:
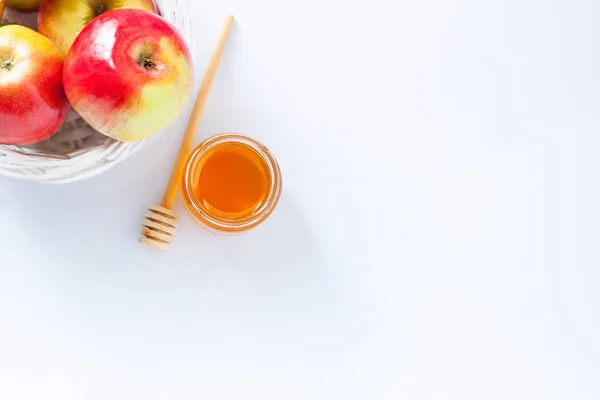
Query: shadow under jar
[{"x": 231, "y": 183}]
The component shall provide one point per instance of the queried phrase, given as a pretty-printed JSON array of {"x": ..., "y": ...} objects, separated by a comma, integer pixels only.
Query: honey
[
  {"x": 233, "y": 180},
  {"x": 231, "y": 183}
]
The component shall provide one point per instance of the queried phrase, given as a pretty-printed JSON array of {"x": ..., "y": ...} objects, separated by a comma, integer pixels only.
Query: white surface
[{"x": 437, "y": 238}]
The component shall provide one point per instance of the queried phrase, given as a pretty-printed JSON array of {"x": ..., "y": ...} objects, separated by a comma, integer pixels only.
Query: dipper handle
[{"x": 190, "y": 132}]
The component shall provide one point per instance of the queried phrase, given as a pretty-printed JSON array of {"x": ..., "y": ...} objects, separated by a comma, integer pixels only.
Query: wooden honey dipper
[{"x": 161, "y": 222}]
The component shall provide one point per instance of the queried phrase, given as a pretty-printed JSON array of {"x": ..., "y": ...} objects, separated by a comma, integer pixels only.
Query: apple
[
  {"x": 33, "y": 104},
  {"x": 62, "y": 20},
  {"x": 128, "y": 74},
  {"x": 23, "y": 5}
]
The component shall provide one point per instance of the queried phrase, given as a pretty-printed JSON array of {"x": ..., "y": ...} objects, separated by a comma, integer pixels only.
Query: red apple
[
  {"x": 128, "y": 74},
  {"x": 62, "y": 20},
  {"x": 33, "y": 104}
]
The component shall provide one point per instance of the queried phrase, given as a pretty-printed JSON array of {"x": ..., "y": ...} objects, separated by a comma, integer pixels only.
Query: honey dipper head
[{"x": 158, "y": 228}]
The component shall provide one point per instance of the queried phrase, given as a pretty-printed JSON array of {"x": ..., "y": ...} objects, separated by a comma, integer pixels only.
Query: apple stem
[
  {"x": 7, "y": 65},
  {"x": 147, "y": 63},
  {"x": 100, "y": 9}
]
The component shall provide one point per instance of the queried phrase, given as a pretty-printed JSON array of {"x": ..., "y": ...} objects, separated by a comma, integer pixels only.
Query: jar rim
[{"x": 220, "y": 223}]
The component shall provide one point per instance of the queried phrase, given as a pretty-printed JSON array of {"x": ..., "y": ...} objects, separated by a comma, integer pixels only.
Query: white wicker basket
[{"x": 77, "y": 151}]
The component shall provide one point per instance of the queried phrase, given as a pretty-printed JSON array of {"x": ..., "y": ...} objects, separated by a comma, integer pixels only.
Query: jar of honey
[{"x": 231, "y": 183}]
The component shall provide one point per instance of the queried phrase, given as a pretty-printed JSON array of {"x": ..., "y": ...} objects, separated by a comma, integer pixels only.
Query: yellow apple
[
  {"x": 62, "y": 20},
  {"x": 23, "y": 5}
]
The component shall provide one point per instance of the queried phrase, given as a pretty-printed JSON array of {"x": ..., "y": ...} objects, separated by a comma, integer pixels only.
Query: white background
[{"x": 437, "y": 237}]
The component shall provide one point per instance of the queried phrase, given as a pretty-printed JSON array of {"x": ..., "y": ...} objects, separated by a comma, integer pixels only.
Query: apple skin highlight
[{"x": 129, "y": 80}]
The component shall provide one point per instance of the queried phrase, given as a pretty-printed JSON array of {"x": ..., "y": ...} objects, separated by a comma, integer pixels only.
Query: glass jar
[{"x": 217, "y": 219}]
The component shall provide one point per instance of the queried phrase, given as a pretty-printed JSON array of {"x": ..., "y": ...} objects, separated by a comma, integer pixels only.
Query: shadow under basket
[{"x": 77, "y": 152}]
